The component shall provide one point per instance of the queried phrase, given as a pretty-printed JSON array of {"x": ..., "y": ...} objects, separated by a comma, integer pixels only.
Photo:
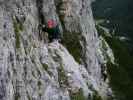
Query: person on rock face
[{"x": 53, "y": 30}]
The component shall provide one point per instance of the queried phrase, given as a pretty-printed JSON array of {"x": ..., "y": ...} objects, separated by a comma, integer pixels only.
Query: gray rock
[{"x": 31, "y": 69}]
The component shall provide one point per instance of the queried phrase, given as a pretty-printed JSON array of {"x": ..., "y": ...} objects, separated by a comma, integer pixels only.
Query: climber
[{"x": 53, "y": 30}]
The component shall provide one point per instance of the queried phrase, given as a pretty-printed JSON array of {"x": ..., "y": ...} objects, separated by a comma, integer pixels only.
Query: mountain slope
[
  {"x": 118, "y": 13},
  {"x": 114, "y": 23},
  {"x": 120, "y": 72}
]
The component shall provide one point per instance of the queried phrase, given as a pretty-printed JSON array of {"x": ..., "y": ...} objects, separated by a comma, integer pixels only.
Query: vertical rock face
[{"x": 31, "y": 69}]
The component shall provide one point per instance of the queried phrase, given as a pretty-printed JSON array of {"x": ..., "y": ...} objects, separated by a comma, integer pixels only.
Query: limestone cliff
[{"x": 32, "y": 69}]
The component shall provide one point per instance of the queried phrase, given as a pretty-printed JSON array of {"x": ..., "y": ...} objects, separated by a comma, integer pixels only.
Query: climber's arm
[
  {"x": 44, "y": 28},
  {"x": 58, "y": 31}
]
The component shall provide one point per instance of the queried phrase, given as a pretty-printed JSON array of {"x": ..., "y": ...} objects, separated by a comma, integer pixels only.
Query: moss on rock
[{"x": 18, "y": 27}]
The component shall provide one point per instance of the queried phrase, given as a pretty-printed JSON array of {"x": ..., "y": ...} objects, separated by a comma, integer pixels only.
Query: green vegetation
[
  {"x": 63, "y": 81},
  {"x": 120, "y": 82},
  {"x": 62, "y": 78},
  {"x": 45, "y": 67},
  {"x": 96, "y": 96},
  {"x": 17, "y": 28},
  {"x": 78, "y": 95},
  {"x": 39, "y": 84},
  {"x": 17, "y": 96},
  {"x": 28, "y": 96},
  {"x": 117, "y": 15},
  {"x": 120, "y": 75},
  {"x": 72, "y": 42}
]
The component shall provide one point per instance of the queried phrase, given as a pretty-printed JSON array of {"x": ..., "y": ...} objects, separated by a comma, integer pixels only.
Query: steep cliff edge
[
  {"x": 32, "y": 69},
  {"x": 114, "y": 22}
]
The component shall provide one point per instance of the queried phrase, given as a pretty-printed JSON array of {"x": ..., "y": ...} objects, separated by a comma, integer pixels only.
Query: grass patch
[
  {"x": 78, "y": 95},
  {"x": 121, "y": 75},
  {"x": 62, "y": 78},
  {"x": 96, "y": 96},
  {"x": 39, "y": 84},
  {"x": 72, "y": 43},
  {"x": 120, "y": 82},
  {"x": 45, "y": 67},
  {"x": 18, "y": 27},
  {"x": 17, "y": 96}
]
